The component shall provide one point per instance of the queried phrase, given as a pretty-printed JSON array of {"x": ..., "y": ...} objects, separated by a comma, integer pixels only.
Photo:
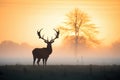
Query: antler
[
  {"x": 57, "y": 35},
  {"x": 41, "y": 37},
  {"x": 46, "y": 41},
  {"x": 38, "y": 32}
]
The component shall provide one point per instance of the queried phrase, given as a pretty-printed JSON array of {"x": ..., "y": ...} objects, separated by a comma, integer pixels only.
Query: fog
[{"x": 13, "y": 53}]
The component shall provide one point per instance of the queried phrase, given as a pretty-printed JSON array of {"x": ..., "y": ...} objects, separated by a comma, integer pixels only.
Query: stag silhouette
[{"x": 43, "y": 53}]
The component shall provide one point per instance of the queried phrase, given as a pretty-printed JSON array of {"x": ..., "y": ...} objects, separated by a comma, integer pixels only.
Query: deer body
[{"x": 43, "y": 53}]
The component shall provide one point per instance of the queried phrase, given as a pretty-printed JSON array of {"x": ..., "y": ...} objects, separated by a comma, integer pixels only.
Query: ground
[{"x": 60, "y": 72}]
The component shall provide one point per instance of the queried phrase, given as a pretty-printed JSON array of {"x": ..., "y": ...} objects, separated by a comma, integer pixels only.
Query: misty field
[{"x": 60, "y": 72}]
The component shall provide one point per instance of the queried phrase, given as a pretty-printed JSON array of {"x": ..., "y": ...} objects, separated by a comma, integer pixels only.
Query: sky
[{"x": 20, "y": 19}]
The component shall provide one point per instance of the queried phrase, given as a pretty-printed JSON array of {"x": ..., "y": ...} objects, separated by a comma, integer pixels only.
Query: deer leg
[
  {"x": 34, "y": 59},
  {"x": 46, "y": 61},
  {"x": 43, "y": 62},
  {"x": 38, "y": 61}
]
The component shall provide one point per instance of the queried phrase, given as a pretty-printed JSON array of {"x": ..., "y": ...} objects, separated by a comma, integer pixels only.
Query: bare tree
[{"x": 78, "y": 23}]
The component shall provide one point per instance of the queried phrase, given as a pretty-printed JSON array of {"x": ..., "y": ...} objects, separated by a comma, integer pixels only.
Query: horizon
[{"x": 22, "y": 54}]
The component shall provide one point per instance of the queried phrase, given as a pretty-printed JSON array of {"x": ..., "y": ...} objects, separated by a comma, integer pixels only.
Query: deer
[{"x": 44, "y": 53}]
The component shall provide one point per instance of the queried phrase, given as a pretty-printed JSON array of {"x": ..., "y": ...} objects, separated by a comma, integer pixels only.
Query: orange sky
[{"x": 20, "y": 19}]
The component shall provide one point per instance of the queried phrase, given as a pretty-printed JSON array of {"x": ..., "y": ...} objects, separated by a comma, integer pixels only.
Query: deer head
[{"x": 48, "y": 41}]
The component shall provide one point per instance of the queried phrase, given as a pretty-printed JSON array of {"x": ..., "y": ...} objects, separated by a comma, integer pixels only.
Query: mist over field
[
  {"x": 78, "y": 39},
  {"x": 14, "y": 53}
]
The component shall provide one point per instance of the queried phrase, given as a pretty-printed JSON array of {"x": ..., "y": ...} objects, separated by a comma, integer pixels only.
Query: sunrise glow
[{"x": 21, "y": 19}]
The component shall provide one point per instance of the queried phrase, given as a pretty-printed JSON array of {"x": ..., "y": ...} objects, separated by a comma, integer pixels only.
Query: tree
[{"x": 78, "y": 28}]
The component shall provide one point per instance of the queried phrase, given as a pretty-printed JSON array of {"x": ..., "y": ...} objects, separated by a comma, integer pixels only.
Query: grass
[{"x": 60, "y": 72}]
